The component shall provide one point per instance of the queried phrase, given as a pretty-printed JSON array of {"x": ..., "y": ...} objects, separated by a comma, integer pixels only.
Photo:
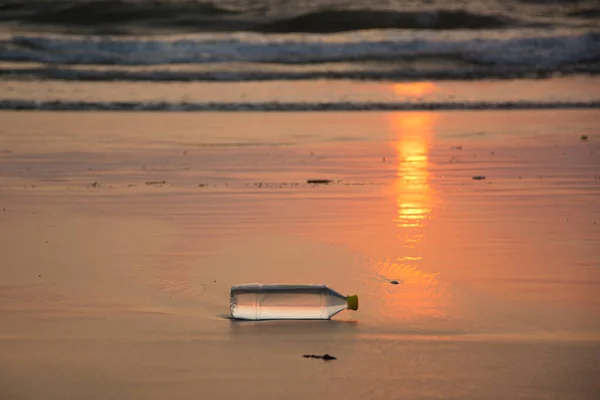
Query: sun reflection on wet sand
[
  {"x": 412, "y": 132},
  {"x": 414, "y": 89},
  {"x": 420, "y": 293}
]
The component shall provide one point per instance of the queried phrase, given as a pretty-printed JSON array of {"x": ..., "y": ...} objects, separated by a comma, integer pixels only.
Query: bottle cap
[{"x": 352, "y": 302}]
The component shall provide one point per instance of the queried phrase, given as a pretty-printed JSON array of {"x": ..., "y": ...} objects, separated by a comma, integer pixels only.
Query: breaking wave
[{"x": 535, "y": 52}]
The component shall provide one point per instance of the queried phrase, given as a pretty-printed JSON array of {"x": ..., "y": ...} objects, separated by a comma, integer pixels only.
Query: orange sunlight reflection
[
  {"x": 421, "y": 294},
  {"x": 414, "y": 89},
  {"x": 412, "y": 131}
]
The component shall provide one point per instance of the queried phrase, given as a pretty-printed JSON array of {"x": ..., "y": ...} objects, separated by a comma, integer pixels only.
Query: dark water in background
[
  {"x": 324, "y": 16},
  {"x": 283, "y": 39}
]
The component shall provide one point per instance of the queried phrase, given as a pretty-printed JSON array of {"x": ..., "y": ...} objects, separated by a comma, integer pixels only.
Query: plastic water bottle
[{"x": 259, "y": 302}]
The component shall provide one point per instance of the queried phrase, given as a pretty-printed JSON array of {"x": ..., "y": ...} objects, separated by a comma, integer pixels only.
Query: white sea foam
[{"x": 540, "y": 50}]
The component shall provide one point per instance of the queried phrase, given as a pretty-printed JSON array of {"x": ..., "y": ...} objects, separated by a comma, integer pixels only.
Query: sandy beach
[
  {"x": 154, "y": 153},
  {"x": 121, "y": 234}
]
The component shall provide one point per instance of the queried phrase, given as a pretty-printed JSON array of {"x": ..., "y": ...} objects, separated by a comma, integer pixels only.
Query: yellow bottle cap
[{"x": 352, "y": 302}]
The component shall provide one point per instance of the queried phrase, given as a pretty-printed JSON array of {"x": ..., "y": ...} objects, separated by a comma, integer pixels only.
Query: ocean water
[{"x": 241, "y": 40}]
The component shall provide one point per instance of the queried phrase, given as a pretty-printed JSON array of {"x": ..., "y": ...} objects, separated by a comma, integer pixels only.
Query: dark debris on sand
[{"x": 325, "y": 357}]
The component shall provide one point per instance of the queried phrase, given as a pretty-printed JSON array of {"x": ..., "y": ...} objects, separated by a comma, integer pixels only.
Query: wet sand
[
  {"x": 121, "y": 233},
  {"x": 566, "y": 90}
]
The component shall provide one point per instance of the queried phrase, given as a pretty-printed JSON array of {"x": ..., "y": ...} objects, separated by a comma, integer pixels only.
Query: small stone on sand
[{"x": 325, "y": 356}]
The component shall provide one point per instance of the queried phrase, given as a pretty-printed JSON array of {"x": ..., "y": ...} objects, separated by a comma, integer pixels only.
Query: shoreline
[
  {"x": 59, "y": 106},
  {"x": 327, "y": 95}
]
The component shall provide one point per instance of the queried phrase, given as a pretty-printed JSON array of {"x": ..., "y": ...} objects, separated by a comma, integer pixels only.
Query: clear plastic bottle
[{"x": 259, "y": 302}]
